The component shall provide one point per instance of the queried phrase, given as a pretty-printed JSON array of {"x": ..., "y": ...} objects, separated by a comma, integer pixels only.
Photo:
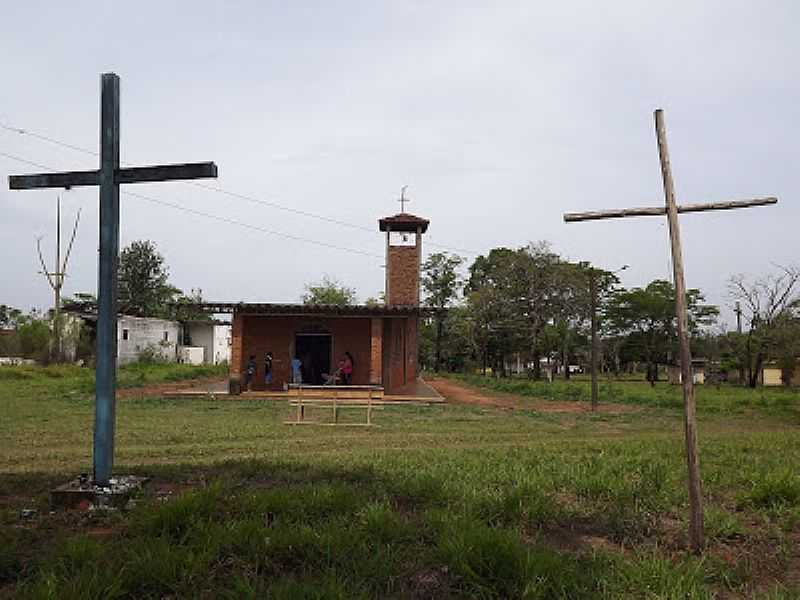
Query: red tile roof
[{"x": 404, "y": 222}]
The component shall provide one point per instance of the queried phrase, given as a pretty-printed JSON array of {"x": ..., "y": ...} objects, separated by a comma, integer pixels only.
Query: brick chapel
[{"x": 381, "y": 339}]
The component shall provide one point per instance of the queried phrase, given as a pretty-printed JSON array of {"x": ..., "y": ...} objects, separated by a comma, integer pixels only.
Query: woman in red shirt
[{"x": 347, "y": 369}]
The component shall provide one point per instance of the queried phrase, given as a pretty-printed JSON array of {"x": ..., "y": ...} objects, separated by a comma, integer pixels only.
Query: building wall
[
  {"x": 222, "y": 344},
  {"x": 399, "y": 352},
  {"x": 142, "y": 333},
  {"x": 402, "y": 275},
  {"x": 276, "y": 334},
  {"x": 214, "y": 339}
]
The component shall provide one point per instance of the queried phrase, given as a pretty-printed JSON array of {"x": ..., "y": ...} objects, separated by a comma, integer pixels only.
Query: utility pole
[
  {"x": 593, "y": 301},
  {"x": 56, "y": 279},
  {"x": 738, "y": 310}
]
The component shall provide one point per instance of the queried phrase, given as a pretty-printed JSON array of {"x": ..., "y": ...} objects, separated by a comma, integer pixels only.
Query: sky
[{"x": 498, "y": 116}]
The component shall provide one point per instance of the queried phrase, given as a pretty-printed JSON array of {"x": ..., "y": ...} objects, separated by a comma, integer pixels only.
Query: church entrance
[{"x": 314, "y": 350}]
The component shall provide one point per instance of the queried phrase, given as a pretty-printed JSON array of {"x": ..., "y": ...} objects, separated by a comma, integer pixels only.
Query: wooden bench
[{"x": 335, "y": 397}]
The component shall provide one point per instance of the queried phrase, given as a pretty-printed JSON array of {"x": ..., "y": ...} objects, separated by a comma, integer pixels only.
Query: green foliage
[
  {"x": 646, "y": 317},
  {"x": 34, "y": 339},
  {"x": 144, "y": 288},
  {"x": 329, "y": 291}
]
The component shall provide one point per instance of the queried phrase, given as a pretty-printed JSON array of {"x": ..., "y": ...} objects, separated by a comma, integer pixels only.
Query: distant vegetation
[{"x": 532, "y": 307}]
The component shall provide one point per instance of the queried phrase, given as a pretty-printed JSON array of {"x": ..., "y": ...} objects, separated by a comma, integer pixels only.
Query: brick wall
[
  {"x": 376, "y": 351},
  {"x": 236, "y": 366},
  {"x": 276, "y": 334},
  {"x": 403, "y": 275}
]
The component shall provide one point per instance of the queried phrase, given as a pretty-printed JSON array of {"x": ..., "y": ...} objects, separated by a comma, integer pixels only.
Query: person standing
[
  {"x": 268, "y": 369},
  {"x": 297, "y": 373},
  {"x": 250, "y": 372}
]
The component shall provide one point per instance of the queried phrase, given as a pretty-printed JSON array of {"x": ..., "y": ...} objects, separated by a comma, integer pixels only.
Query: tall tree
[
  {"x": 144, "y": 287},
  {"x": 329, "y": 291},
  {"x": 442, "y": 283},
  {"x": 647, "y": 317},
  {"x": 771, "y": 304}
]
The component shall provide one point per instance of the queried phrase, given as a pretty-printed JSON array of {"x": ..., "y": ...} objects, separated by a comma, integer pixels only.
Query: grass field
[{"x": 436, "y": 502}]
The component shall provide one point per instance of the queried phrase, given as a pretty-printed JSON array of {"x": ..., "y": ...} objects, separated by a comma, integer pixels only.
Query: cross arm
[
  {"x": 661, "y": 210},
  {"x": 166, "y": 172},
  {"x": 67, "y": 179},
  {"x": 70, "y": 179}
]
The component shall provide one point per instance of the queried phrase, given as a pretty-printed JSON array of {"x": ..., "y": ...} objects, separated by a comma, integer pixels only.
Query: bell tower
[{"x": 403, "y": 255}]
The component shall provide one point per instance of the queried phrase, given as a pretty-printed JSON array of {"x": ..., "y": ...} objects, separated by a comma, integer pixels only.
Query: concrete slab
[{"x": 82, "y": 492}]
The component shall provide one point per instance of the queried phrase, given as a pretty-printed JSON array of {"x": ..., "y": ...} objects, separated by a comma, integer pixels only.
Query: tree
[
  {"x": 144, "y": 289},
  {"x": 442, "y": 283},
  {"x": 9, "y": 316},
  {"x": 187, "y": 307},
  {"x": 646, "y": 316},
  {"x": 329, "y": 291},
  {"x": 771, "y": 304},
  {"x": 492, "y": 293}
]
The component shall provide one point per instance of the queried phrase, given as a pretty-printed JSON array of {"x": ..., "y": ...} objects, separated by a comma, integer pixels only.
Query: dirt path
[
  {"x": 160, "y": 389},
  {"x": 459, "y": 393}
]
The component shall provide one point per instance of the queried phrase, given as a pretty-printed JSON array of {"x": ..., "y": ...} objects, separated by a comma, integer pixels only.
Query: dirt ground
[
  {"x": 458, "y": 393},
  {"x": 201, "y": 385}
]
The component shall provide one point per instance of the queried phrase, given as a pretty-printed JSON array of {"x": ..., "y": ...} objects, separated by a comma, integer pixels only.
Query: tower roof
[{"x": 403, "y": 222}]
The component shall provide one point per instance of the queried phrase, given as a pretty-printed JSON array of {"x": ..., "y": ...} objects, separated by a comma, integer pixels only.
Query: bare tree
[{"x": 768, "y": 303}]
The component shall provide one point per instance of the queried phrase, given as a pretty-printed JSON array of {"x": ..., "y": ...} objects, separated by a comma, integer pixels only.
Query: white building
[
  {"x": 214, "y": 337},
  {"x": 138, "y": 336}
]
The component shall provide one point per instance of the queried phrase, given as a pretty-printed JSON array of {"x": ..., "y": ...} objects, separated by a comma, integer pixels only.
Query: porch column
[
  {"x": 235, "y": 367},
  {"x": 376, "y": 351}
]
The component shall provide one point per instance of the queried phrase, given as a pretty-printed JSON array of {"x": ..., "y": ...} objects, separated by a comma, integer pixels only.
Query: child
[
  {"x": 250, "y": 372},
  {"x": 297, "y": 373},
  {"x": 335, "y": 377}
]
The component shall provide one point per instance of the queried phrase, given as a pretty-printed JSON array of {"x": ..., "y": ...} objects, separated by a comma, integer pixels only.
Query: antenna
[{"x": 56, "y": 278}]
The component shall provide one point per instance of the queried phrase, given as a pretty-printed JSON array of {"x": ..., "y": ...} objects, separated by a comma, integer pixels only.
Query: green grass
[
  {"x": 437, "y": 502},
  {"x": 727, "y": 399}
]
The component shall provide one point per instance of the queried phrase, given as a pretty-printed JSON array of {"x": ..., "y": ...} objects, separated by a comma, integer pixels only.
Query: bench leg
[{"x": 335, "y": 411}]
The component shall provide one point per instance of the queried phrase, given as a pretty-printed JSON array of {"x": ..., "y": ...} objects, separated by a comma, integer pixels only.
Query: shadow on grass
[{"x": 258, "y": 528}]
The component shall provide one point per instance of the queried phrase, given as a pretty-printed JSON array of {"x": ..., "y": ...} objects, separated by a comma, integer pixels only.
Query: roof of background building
[
  {"x": 353, "y": 310},
  {"x": 89, "y": 310},
  {"x": 403, "y": 222}
]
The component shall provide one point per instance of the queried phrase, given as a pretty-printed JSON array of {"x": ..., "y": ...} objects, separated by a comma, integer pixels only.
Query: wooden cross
[
  {"x": 109, "y": 177},
  {"x": 696, "y": 535}
]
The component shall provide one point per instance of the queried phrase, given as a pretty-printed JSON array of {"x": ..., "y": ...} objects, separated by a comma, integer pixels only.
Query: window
[
  {"x": 166, "y": 336},
  {"x": 125, "y": 334}
]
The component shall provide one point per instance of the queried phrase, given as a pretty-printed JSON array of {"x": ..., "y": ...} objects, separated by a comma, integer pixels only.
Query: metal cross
[
  {"x": 402, "y": 200},
  {"x": 671, "y": 209},
  {"x": 109, "y": 177}
]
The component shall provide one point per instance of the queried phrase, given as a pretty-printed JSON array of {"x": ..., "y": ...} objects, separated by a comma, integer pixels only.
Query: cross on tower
[
  {"x": 402, "y": 200},
  {"x": 671, "y": 209},
  {"x": 109, "y": 177}
]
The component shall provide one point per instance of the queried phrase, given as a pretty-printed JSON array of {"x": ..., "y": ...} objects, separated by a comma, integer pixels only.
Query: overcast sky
[{"x": 499, "y": 116}]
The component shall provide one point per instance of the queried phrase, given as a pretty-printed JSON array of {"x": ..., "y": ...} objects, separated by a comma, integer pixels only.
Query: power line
[
  {"x": 219, "y": 190},
  {"x": 213, "y": 216}
]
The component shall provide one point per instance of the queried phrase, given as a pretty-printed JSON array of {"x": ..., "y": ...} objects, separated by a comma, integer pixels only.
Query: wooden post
[
  {"x": 672, "y": 210},
  {"x": 369, "y": 408},
  {"x": 335, "y": 413},
  {"x": 300, "y": 404},
  {"x": 593, "y": 300},
  {"x": 696, "y": 535}
]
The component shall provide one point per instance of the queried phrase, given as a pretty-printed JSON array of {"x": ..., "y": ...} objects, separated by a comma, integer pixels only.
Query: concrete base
[{"x": 83, "y": 493}]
